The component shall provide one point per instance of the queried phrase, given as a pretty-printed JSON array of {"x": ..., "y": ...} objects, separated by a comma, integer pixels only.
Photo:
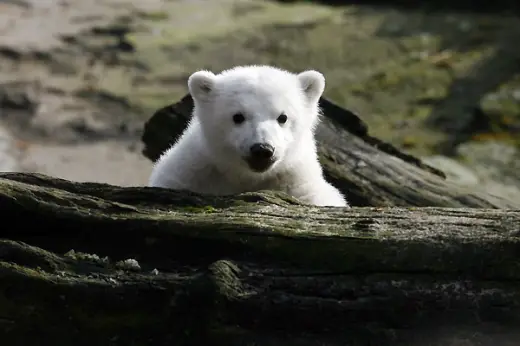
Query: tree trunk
[
  {"x": 369, "y": 171},
  {"x": 94, "y": 264}
]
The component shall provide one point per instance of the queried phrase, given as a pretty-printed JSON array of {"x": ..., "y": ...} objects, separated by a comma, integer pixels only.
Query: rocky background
[{"x": 78, "y": 78}]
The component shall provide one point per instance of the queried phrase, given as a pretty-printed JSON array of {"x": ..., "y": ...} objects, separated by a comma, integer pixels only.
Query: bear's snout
[
  {"x": 261, "y": 151},
  {"x": 261, "y": 157}
]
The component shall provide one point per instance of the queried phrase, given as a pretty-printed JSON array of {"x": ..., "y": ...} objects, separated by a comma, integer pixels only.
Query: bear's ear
[
  {"x": 313, "y": 84},
  {"x": 200, "y": 84}
]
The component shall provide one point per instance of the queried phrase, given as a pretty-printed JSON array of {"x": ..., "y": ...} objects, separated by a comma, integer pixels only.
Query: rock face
[
  {"x": 490, "y": 165},
  {"x": 89, "y": 263},
  {"x": 78, "y": 78}
]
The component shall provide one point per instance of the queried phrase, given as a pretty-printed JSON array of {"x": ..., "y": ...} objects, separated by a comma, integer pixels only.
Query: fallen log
[
  {"x": 369, "y": 171},
  {"x": 94, "y": 264}
]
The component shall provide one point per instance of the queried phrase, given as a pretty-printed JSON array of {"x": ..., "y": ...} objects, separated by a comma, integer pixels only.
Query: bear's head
[{"x": 254, "y": 117}]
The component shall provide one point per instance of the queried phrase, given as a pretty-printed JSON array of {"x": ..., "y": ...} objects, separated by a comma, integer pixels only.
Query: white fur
[{"x": 209, "y": 156}]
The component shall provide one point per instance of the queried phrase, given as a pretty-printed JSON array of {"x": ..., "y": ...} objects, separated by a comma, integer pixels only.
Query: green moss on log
[{"x": 248, "y": 269}]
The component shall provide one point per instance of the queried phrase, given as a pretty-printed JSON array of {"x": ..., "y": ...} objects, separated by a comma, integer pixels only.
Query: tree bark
[
  {"x": 369, "y": 171},
  {"x": 253, "y": 269}
]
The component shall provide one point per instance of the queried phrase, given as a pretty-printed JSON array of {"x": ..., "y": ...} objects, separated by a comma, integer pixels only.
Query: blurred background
[{"x": 438, "y": 79}]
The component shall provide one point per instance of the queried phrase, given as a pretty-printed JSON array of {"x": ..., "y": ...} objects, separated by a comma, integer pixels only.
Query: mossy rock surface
[
  {"x": 400, "y": 69},
  {"x": 423, "y": 81}
]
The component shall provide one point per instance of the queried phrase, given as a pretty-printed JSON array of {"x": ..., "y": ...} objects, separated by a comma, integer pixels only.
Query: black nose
[{"x": 261, "y": 151}]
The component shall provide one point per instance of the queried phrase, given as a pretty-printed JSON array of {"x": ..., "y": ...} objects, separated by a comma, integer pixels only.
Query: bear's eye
[
  {"x": 238, "y": 118},
  {"x": 282, "y": 119}
]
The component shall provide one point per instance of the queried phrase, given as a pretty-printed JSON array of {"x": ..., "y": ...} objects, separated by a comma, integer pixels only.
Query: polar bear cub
[{"x": 252, "y": 129}]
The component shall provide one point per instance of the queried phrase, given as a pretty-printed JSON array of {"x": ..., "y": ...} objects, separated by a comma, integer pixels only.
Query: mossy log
[
  {"x": 369, "y": 171},
  {"x": 253, "y": 269}
]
